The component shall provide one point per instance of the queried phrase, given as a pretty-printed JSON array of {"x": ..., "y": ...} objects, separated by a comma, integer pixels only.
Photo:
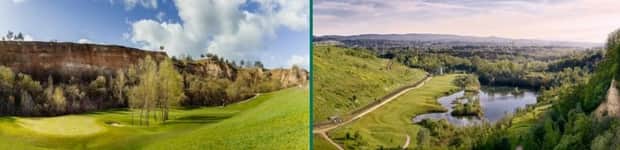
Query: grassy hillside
[
  {"x": 347, "y": 79},
  {"x": 389, "y": 125},
  {"x": 272, "y": 120},
  {"x": 322, "y": 144}
]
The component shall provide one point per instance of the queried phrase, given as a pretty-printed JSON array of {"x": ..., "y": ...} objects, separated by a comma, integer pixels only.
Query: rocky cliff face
[
  {"x": 289, "y": 77},
  {"x": 86, "y": 61},
  {"x": 63, "y": 60},
  {"x": 610, "y": 106},
  {"x": 209, "y": 68}
]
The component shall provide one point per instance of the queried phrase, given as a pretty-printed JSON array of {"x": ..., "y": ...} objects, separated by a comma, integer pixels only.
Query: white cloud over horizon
[
  {"x": 225, "y": 28},
  {"x": 568, "y": 20},
  {"x": 301, "y": 61}
]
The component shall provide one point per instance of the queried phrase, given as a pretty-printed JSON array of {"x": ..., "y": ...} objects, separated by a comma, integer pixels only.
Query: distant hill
[
  {"x": 346, "y": 80},
  {"x": 456, "y": 39}
]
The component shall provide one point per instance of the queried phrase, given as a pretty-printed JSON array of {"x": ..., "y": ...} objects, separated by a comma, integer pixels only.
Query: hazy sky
[
  {"x": 273, "y": 31},
  {"x": 569, "y": 20}
]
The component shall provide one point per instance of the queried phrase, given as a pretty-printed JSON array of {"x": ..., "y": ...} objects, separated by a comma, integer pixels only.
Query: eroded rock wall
[{"x": 64, "y": 60}]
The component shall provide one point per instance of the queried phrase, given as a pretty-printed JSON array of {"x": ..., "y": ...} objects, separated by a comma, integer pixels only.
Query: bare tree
[{"x": 9, "y": 35}]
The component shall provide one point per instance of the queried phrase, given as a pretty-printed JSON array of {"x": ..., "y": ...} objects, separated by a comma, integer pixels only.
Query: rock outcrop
[
  {"x": 209, "y": 68},
  {"x": 65, "y": 60},
  {"x": 610, "y": 106},
  {"x": 86, "y": 61},
  {"x": 289, "y": 77}
]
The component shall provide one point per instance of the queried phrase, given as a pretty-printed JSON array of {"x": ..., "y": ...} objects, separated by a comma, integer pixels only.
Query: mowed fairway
[
  {"x": 273, "y": 120},
  {"x": 389, "y": 125},
  {"x": 348, "y": 79}
]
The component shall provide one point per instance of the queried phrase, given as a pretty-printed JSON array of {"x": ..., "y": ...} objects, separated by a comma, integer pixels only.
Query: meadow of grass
[
  {"x": 525, "y": 122},
  {"x": 389, "y": 125},
  {"x": 321, "y": 143},
  {"x": 347, "y": 79},
  {"x": 278, "y": 119}
]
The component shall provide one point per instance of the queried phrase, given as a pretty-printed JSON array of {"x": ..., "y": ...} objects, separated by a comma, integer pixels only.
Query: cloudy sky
[
  {"x": 569, "y": 20},
  {"x": 273, "y": 31}
]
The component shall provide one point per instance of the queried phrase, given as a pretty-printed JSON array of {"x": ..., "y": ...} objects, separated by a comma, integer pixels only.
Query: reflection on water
[{"x": 496, "y": 103}]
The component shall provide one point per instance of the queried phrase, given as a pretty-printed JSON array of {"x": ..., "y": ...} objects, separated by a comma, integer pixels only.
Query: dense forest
[
  {"x": 504, "y": 69},
  {"x": 496, "y": 61},
  {"x": 151, "y": 84},
  {"x": 562, "y": 119}
]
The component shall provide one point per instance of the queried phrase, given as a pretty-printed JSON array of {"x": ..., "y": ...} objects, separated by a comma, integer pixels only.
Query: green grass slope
[
  {"x": 278, "y": 119},
  {"x": 347, "y": 79},
  {"x": 389, "y": 125},
  {"x": 280, "y": 123}
]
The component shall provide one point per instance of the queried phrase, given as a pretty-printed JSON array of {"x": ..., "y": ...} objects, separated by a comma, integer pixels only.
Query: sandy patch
[{"x": 63, "y": 126}]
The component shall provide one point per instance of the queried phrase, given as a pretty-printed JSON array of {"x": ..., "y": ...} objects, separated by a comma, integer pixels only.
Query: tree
[
  {"x": 7, "y": 80},
  {"x": 119, "y": 87},
  {"x": 98, "y": 90},
  {"x": 19, "y": 37},
  {"x": 58, "y": 100},
  {"x": 258, "y": 64},
  {"x": 143, "y": 95},
  {"x": 73, "y": 95},
  {"x": 9, "y": 36},
  {"x": 423, "y": 139},
  {"x": 170, "y": 88},
  {"x": 28, "y": 88}
]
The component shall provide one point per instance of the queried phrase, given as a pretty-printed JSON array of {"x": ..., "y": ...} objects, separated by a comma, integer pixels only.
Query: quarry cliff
[{"x": 64, "y": 60}]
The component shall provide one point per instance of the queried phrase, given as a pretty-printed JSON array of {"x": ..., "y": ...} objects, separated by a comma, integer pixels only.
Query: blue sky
[
  {"x": 567, "y": 20},
  {"x": 273, "y": 31}
]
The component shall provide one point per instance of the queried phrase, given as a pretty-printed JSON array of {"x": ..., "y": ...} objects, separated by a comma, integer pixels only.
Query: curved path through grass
[
  {"x": 322, "y": 130},
  {"x": 389, "y": 126}
]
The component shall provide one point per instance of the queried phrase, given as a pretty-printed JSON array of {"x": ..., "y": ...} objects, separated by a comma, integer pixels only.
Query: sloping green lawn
[
  {"x": 347, "y": 79},
  {"x": 389, "y": 125},
  {"x": 272, "y": 120}
]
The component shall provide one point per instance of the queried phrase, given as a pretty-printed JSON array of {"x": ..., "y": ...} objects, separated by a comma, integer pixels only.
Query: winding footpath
[
  {"x": 324, "y": 129},
  {"x": 407, "y": 142}
]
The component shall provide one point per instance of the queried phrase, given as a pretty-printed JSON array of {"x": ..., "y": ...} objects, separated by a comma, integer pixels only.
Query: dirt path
[
  {"x": 407, "y": 142},
  {"x": 324, "y": 135},
  {"x": 324, "y": 129}
]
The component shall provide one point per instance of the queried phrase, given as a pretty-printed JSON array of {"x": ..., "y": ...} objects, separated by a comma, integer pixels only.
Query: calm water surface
[{"x": 496, "y": 103}]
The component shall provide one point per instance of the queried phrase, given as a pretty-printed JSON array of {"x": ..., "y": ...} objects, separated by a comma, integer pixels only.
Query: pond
[{"x": 496, "y": 103}]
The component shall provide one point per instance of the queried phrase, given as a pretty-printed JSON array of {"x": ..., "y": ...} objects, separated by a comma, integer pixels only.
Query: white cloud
[
  {"x": 573, "y": 20},
  {"x": 130, "y": 4},
  {"x": 160, "y": 16},
  {"x": 18, "y": 1},
  {"x": 83, "y": 40},
  {"x": 221, "y": 27},
  {"x": 88, "y": 41},
  {"x": 301, "y": 61},
  {"x": 28, "y": 37}
]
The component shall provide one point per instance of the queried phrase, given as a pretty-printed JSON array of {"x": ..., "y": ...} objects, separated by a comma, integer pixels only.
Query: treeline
[
  {"x": 150, "y": 86},
  {"x": 505, "y": 70},
  {"x": 21, "y": 95}
]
